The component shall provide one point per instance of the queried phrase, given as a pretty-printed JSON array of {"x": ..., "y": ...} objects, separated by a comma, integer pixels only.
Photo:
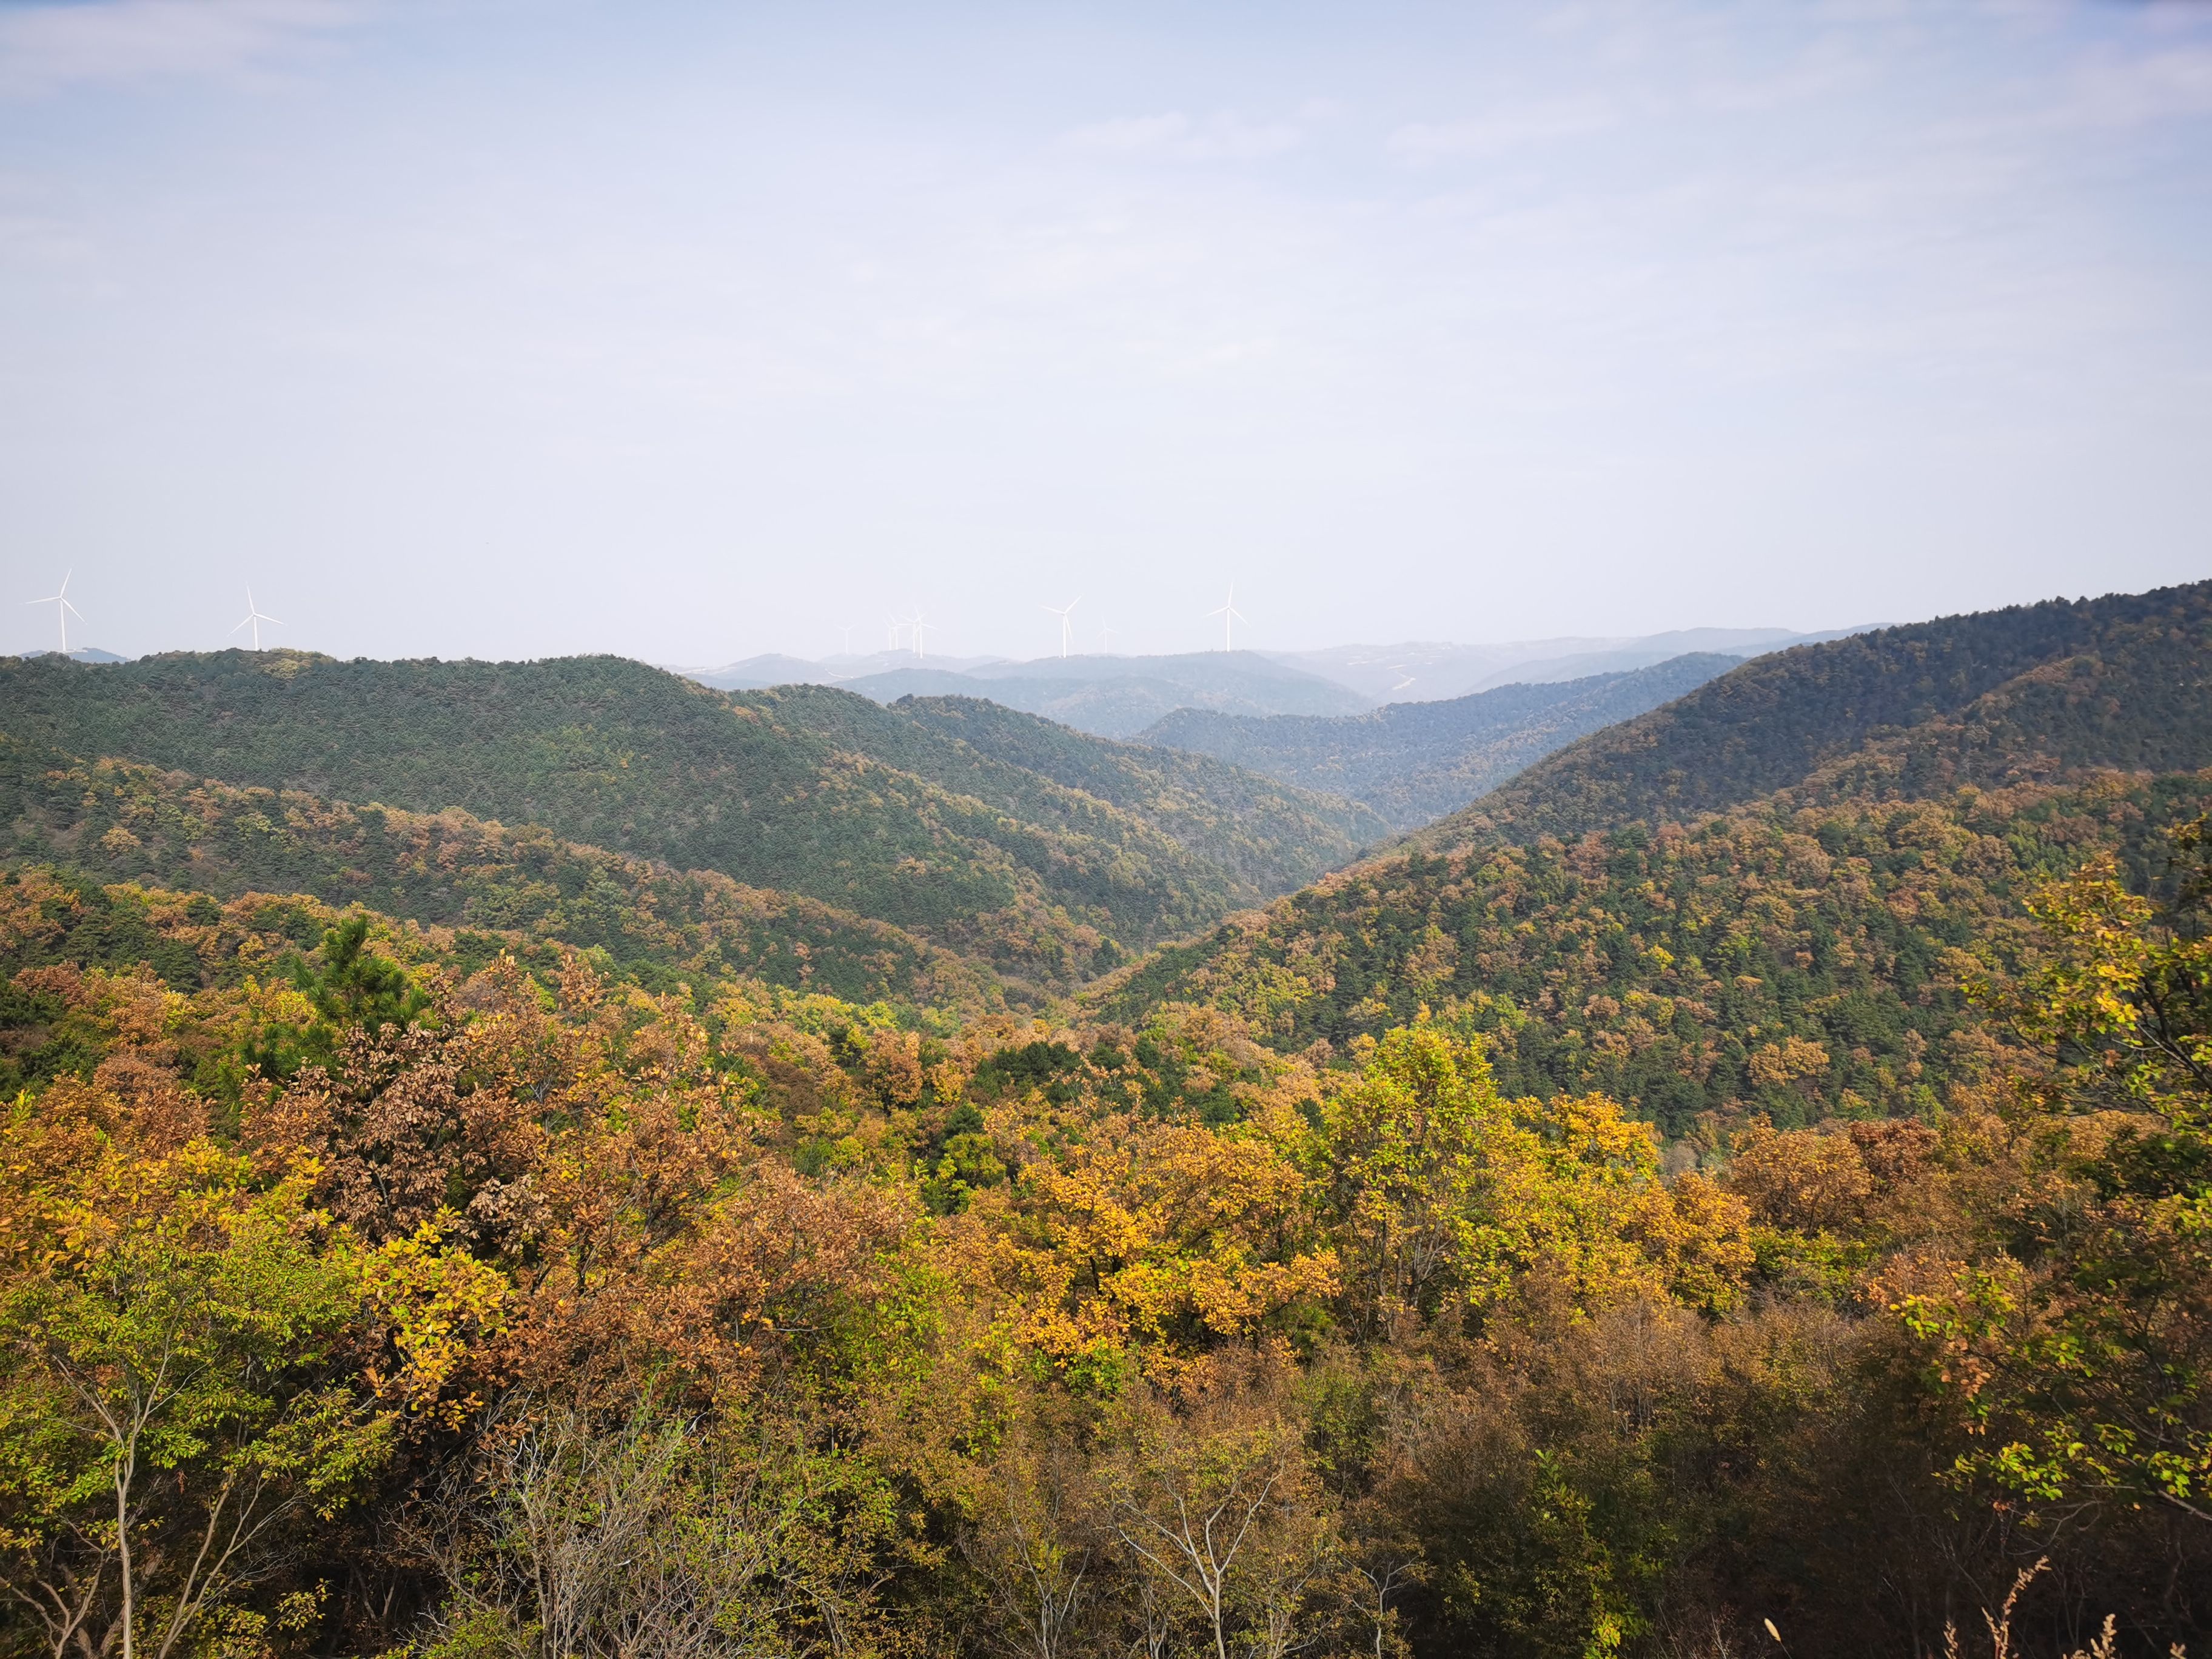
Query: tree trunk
[{"x": 125, "y": 1472}]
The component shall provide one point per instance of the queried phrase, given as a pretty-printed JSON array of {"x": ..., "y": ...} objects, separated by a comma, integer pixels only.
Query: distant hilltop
[{"x": 1121, "y": 696}]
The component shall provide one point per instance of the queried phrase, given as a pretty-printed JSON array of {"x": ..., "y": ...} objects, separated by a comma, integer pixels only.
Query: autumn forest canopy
[{"x": 553, "y": 1161}]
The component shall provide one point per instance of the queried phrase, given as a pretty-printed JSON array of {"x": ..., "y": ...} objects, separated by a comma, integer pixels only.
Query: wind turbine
[
  {"x": 918, "y": 623},
  {"x": 1066, "y": 628},
  {"x": 1105, "y": 641},
  {"x": 62, "y": 609},
  {"x": 891, "y": 638},
  {"x": 254, "y": 617},
  {"x": 1229, "y": 613},
  {"x": 848, "y": 632}
]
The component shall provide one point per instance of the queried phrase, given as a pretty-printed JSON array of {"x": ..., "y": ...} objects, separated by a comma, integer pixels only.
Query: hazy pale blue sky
[{"x": 495, "y": 327}]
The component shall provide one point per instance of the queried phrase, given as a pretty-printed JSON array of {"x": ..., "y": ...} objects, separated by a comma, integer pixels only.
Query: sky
[{"x": 514, "y": 328}]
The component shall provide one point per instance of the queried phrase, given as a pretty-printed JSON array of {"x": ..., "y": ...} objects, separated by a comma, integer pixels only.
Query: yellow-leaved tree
[{"x": 1444, "y": 1194}]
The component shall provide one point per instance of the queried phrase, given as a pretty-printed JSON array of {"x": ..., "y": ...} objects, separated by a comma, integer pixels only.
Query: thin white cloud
[
  {"x": 47, "y": 47},
  {"x": 1757, "y": 311},
  {"x": 1507, "y": 128},
  {"x": 1175, "y": 136},
  {"x": 2169, "y": 85}
]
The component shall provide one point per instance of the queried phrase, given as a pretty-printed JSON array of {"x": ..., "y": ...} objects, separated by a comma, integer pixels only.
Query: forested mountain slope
[
  {"x": 1801, "y": 960},
  {"x": 1798, "y": 953},
  {"x": 1234, "y": 814},
  {"x": 500, "y": 887},
  {"x": 804, "y": 789},
  {"x": 1414, "y": 761},
  {"x": 1266, "y": 835},
  {"x": 1995, "y": 697}
]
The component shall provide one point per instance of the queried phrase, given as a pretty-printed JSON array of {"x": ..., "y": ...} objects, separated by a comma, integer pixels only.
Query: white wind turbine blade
[{"x": 62, "y": 609}]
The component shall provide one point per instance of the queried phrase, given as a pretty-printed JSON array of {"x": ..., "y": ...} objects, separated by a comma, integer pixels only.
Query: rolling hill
[
  {"x": 1414, "y": 761},
  {"x": 1764, "y": 896},
  {"x": 802, "y": 790},
  {"x": 1995, "y": 697},
  {"x": 498, "y": 888},
  {"x": 1801, "y": 961}
]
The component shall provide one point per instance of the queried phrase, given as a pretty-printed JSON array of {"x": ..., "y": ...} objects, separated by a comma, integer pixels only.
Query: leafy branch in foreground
[
  {"x": 2083, "y": 1357},
  {"x": 176, "y": 1389}
]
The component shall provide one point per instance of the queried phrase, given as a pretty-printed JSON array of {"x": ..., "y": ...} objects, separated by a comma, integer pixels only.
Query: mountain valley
[{"x": 878, "y": 1164}]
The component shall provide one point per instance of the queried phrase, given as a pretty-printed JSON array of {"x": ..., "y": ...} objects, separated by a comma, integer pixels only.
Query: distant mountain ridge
[
  {"x": 1107, "y": 696},
  {"x": 1111, "y": 701},
  {"x": 775, "y": 668},
  {"x": 1414, "y": 761},
  {"x": 1432, "y": 672},
  {"x": 1119, "y": 696}
]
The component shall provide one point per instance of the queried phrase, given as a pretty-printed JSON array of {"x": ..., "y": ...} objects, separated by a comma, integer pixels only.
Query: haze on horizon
[{"x": 692, "y": 332}]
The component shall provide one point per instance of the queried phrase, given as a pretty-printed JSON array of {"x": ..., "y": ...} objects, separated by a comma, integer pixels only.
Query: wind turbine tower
[
  {"x": 1229, "y": 614},
  {"x": 253, "y": 618},
  {"x": 62, "y": 609},
  {"x": 1066, "y": 628}
]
